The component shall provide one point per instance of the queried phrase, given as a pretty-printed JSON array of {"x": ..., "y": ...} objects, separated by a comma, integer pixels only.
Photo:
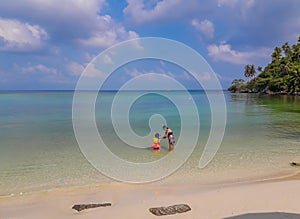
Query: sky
[{"x": 46, "y": 44}]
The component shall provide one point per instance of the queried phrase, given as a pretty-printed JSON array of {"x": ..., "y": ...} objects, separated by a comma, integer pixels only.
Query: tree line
[{"x": 281, "y": 75}]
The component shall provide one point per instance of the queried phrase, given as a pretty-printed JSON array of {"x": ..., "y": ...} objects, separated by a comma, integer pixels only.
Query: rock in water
[
  {"x": 173, "y": 209},
  {"x": 87, "y": 206}
]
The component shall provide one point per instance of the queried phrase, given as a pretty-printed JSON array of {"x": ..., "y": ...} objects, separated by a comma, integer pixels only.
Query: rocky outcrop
[
  {"x": 173, "y": 209},
  {"x": 81, "y": 207}
]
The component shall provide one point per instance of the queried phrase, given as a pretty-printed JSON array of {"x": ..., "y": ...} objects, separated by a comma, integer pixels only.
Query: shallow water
[{"x": 38, "y": 149}]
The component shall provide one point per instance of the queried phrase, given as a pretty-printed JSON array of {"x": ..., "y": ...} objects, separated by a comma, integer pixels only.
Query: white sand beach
[{"x": 134, "y": 201}]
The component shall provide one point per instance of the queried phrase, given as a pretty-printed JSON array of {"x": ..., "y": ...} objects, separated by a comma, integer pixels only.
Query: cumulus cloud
[
  {"x": 18, "y": 36},
  {"x": 177, "y": 75},
  {"x": 138, "y": 12},
  {"x": 240, "y": 6},
  {"x": 243, "y": 22},
  {"x": 225, "y": 53},
  {"x": 94, "y": 73},
  {"x": 63, "y": 19},
  {"x": 133, "y": 72},
  {"x": 260, "y": 23},
  {"x": 109, "y": 34},
  {"x": 70, "y": 21},
  {"x": 39, "y": 68},
  {"x": 206, "y": 27},
  {"x": 107, "y": 59},
  {"x": 233, "y": 3},
  {"x": 75, "y": 68}
]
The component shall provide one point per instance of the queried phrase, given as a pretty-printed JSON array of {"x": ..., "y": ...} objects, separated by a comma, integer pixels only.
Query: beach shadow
[{"x": 272, "y": 215}]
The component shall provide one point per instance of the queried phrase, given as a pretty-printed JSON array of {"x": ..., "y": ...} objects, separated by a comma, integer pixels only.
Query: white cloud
[
  {"x": 108, "y": 34},
  {"x": 233, "y": 3},
  {"x": 39, "y": 68},
  {"x": 138, "y": 12},
  {"x": 93, "y": 72},
  {"x": 242, "y": 6},
  {"x": 186, "y": 75},
  {"x": 205, "y": 76},
  {"x": 17, "y": 36},
  {"x": 206, "y": 27},
  {"x": 107, "y": 59},
  {"x": 75, "y": 68},
  {"x": 225, "y": 53},
  {"x": 76, "y": 15},
  {"x": 223, "y": 78},
  {"x": 149, "y": 80},
  {"x": 180, "y": 76},
  {"x": 133, "y": 72},
  {"x": 162, "y": 63},
  {"x": 230, "y": 3},
  {"x": 70, "y": 21},
  {"x": 88, "y": 56},
  {"x": 168, "y": 73},
  {"x": 177, "y": 76}
]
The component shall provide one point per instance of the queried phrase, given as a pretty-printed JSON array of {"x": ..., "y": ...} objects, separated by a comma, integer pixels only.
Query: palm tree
[
  {"x": 249, "y": 71},
  {"x": 252, "y": 71},
  {"x": 281, "y": 75}
]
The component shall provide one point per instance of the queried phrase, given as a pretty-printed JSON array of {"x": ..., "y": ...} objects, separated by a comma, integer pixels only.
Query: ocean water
[{"x": 39, "y": 151}]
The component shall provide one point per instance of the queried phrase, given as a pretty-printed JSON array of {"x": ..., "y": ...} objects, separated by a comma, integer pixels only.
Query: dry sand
[{"x": 133, "y": 201}]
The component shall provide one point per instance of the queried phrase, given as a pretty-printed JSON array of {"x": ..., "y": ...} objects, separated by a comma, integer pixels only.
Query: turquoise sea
[{"x": 38, "y": 149}]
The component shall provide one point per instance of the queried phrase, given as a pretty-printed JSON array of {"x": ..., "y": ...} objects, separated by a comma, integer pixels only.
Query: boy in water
[{"x": 169, "y": 134}]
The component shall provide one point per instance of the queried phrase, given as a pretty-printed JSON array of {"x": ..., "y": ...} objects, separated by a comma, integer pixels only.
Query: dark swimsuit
[
  {"x": 170, "y": 133},
  {"x": 171, "y": 139}
]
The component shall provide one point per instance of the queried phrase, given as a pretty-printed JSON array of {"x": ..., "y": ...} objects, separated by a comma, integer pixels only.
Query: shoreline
[
  {"x": 280, "y": 176},
  {"x": 133, "y": 201},
  {"x": 270, "y": 93}
]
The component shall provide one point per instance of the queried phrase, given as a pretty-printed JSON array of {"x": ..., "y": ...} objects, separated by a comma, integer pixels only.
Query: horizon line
[{"x": 104, "y": 90}]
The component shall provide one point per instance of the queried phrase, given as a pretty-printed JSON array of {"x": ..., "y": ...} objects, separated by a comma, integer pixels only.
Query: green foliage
[
  {"x": 237, "y": 85},
  {"x": 282, "y": 74}
]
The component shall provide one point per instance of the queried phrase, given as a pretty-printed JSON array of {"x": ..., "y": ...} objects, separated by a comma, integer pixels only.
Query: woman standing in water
[{"x": 169, "y": 134}]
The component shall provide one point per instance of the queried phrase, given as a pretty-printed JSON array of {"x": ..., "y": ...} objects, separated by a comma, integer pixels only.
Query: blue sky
[{"x": 46, "y": 44}]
